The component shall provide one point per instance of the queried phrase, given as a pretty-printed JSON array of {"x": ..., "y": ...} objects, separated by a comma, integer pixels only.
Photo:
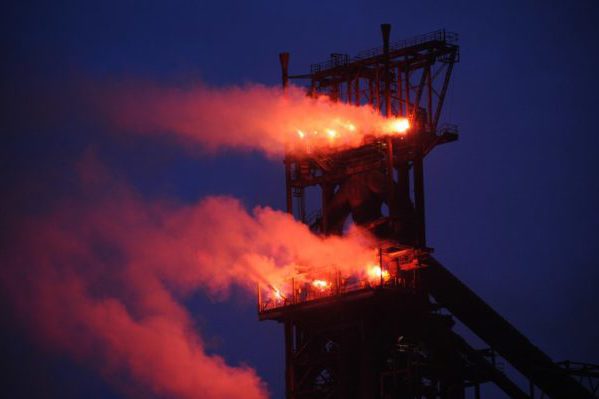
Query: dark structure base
[{"x": 399, "y": 342}]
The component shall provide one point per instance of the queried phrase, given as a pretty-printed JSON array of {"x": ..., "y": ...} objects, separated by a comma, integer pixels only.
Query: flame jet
[{"x": 253, "y": 117}]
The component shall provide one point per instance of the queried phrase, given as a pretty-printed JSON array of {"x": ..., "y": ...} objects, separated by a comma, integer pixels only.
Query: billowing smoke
[
  {"x": 102, "y": 277},
  {"x": 252, "y": 117}
]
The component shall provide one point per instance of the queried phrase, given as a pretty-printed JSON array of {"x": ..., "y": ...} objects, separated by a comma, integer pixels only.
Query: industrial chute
[{"x": 362, "y": 196}]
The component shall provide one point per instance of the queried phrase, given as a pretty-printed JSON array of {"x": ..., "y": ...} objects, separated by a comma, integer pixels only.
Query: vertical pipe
[
  {"x": 407, "y": 89},
  {"x": 301, "y": 196},
  {"x": 312, "y": 92},
  {"x": 289, "y": 371},
  {"x": 390, "y": 181},
  {"x": 327, "y": 191},
  {"x": 259, "y": 298},
  {"x": 429, "y": 112},
  {"x": 324, "y": 219},
  {"x": 335, "y": 92},
  {"x": 288, "y": 189},
  {"x": 348, "y": 97},
  {"x": 403, "y": 185},
  {"x": 381, "y": 264},
  {"x": 419, "y": 199},
  {"x": 293, "y": 291},
  {"x": 386, "y": 31},
  {"x": 400, "y": 106},
  {"x": 370, "y": 93},
  {"x": 284, "y": 60},
  {"x": 357, "y": 90},
  {"x": 378, "y": 90}
]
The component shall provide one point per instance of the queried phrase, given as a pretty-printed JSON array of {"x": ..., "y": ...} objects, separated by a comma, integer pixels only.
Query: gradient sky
[{"x": 511, "y": 207}]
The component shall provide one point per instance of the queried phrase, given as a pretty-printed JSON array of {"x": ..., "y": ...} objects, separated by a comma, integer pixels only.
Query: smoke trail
[
  {"x": 100, "y": 277},
  {"x": 252, "y": 117}
]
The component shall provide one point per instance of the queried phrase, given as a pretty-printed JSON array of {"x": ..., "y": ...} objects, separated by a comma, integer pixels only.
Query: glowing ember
[
  {"x": 301, "y": 134},
  {"x": 375, "y": 274},
  {"x": 278, "y": 295},
  {"x": 331, "y": 133}
]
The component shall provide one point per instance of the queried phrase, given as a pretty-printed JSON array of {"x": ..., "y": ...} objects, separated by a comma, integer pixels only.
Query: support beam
[
  {"x": 443, "y": 92},
  {"x": 498, "y": 333},
  {"x": 284, "y": 61},
  {"x": 419, "y": 201},
  {"x": 429, "y": 108},
  {"x": 289, "y": 354},
  {"x": 386, "y": 31}
]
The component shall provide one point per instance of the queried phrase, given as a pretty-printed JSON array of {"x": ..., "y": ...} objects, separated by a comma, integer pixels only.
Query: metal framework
[
  {"x": 393, "y": 337},
  {"x": 409, "y": 78}
]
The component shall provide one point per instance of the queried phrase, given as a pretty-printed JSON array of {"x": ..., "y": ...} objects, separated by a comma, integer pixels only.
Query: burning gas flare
[
  {"x": 321, "y": 285},
  {"x": 248, "y": 118},
  {"x": 278, "y": 295},
  {"x": 347, "y": 134},
  {"x": 375, "y": 274},
  {"x": 397, "y": 126}
]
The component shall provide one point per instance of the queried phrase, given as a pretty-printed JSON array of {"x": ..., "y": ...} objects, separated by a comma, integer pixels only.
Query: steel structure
[
  {"x": 407, "y": 78},
  {"x": 393, "y": 337}
]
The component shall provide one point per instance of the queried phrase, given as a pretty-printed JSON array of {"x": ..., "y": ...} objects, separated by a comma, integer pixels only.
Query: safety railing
[
  {"x": 394, "y": 271},
  {"x": 336, "y": 60}
]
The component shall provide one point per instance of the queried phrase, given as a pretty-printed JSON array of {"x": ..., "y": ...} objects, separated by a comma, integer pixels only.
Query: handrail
[
  {"x": 393, "y": 272},
  {"x": 440, "y": 35}
]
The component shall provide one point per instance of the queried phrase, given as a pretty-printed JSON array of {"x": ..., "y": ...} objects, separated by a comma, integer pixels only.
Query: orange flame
[
  {"x": 321, "y": 284},
  {"x": 347, "y": 133},
  {"x": 331, "y": 133},
  {"x": 255, "y": 117},
  {"x": 375, "y": 274},
  {"x": 278, "y": 295},
  {"x": 397, "y": 126}
]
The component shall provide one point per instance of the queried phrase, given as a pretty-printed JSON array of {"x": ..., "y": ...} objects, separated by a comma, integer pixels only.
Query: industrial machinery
[{"x": 390, "y": 333}]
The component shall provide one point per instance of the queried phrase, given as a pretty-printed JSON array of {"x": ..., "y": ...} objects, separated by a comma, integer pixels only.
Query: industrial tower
[{"x": 394, "y": 337}]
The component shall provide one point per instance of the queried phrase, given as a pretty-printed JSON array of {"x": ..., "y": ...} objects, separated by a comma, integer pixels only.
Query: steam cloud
[
  {"x": 253, "y": 117},
  {"x": 101, "y": 278},
  {"x": 103, "y": 274}
]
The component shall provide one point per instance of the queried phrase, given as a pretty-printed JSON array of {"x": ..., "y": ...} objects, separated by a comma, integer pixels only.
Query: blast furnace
[{"x": 391, "y": 334}]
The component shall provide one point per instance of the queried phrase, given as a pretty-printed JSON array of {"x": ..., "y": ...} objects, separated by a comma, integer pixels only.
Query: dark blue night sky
[{"x": 511, "y": 207}]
